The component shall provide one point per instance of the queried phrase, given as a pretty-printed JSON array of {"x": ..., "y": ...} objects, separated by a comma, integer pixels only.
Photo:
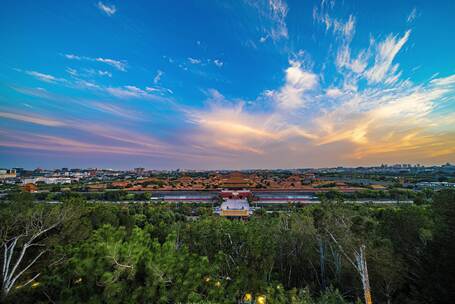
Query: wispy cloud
[
  {"x": 345, "y": 29},
  {"x": 49, "y": 143},
  {"x": 157, "y": 77},
  {"x": 44, "y": 77},
  {"x": 65, "y": 103},
  {"x": 412, "y": 15},
  {"x": 80, "y": 83},
  {"x": 357, "y": 64},
  {"x": 383, "y": 69},
  {"x": 275, "y": 13},
  {"x": 333, "y": 92},
  {"x": 278, "y": 13},
  {"x": 120, "y": 65},
  {"x": 108, "y": 140},
  {"x": 230, "y": 128},
  {"x": 108, "y": 9},
  {"x": 447, "y": 81},
  {"x": 87, "y": 72},
  {"x": 218, "y": 63},
  {"x": 104, "y": 73},
  {"x": 116, "y": 110},
  {"x": 367, "y": 125},
  {"x": 32, "y": 119},
  {"x": 133, "y": 92},
  {"x": 74, "y": 57},
  {"x": 128, "y": 91},
  {"x": 72, "y": 72},
  {"x": 194, "y": 60},
  {"x": 77, "y": 82},
  {"x": 355, "y": 107},
  {"x": 158, "y": 89},
  {"x": 352, "y": 67}
]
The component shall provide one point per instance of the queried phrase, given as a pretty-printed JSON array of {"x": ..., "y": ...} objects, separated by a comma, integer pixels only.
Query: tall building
[{"x": 139, "y": 170}]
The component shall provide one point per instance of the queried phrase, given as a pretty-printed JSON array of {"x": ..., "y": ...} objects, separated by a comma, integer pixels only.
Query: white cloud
[
  {"x": 446, "y": 81},
  {"x": 104, "y": 73},
  {"x": 88, "y": 72},
  {"x": 412, "y": 15},
  {"x": 108, "y": 9},
  {"x": 128, "y": 91},
  {"x": 71, "y": 71},
  {"x": 159, "y": 90},
  {"x": 344, "y": 30},
  {"x": 134, "y": 92},
  {"x": 44, "y": 77},
  {"x": 298, "y": 82},
  {"x": 278, "y": 13},
  {"x": 201, "y": 62},
  {"x": 116, "y": 110},
  {"x": 382, "y": 119},
  {"x": 218, "y": 63},
  {"x": 364, "y": 114},
  {"x": 87, "y": 84},
  {"x": 333, "y": 92},
  {"x": 119, "y": 65},
  {"x": 32, "y": 119},
  {"x": 297, "y": 77},
  {"x": 240, "y": 131},
  {"x": 194, "y": 60},
  {"x": 385, "y": 54},
  {"x": 157, "y": 77},
  {"x": 273, "y": 14},
  {"x": 73, "y": 57},
  {"x": 357, "y": 65},
  {"x": 151, "y": 89}
]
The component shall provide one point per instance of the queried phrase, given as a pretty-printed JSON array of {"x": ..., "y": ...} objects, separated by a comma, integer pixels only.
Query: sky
[{"x": 226, "y": 84}]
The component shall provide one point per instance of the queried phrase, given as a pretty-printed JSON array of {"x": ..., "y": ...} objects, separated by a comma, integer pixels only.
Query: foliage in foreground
[{"x": 103, "y": 253}]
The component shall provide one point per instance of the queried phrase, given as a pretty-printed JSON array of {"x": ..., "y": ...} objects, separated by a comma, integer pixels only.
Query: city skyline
[
  {"x": 188, "y": 170},
  {"x": 212, "y": 85}
]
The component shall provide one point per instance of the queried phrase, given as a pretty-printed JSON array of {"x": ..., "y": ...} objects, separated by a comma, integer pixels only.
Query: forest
[{"x": 82, "y": 252}]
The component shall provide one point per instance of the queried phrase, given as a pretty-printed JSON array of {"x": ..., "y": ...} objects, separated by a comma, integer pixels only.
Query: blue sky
[{"x": 234, "y": 84}]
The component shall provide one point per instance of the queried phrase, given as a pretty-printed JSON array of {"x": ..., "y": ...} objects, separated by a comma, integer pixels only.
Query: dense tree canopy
[{"x": 158, "y": 253}]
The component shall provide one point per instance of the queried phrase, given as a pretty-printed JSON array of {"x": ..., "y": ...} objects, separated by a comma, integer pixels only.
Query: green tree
[{"x": 436, "y": 279}]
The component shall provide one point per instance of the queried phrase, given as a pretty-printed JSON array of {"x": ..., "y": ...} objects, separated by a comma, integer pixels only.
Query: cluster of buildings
[
  {"x": 238, "y": 193},
  {"x": 305, "y": 180},
  {"x": 393, "y": 169},
  {"x": 6, "y": 174},
  {"x": 49, "y": 180},
  {"x": 212, "y": 181},
  {"x": 22, "y": 176}
]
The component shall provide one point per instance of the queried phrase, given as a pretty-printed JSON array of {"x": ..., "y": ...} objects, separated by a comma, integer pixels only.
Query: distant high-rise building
[{"x": 139, "y": 170}]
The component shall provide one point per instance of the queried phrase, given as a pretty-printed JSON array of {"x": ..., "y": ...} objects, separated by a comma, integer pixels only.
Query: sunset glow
[{"x": 265, "y": 84}]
